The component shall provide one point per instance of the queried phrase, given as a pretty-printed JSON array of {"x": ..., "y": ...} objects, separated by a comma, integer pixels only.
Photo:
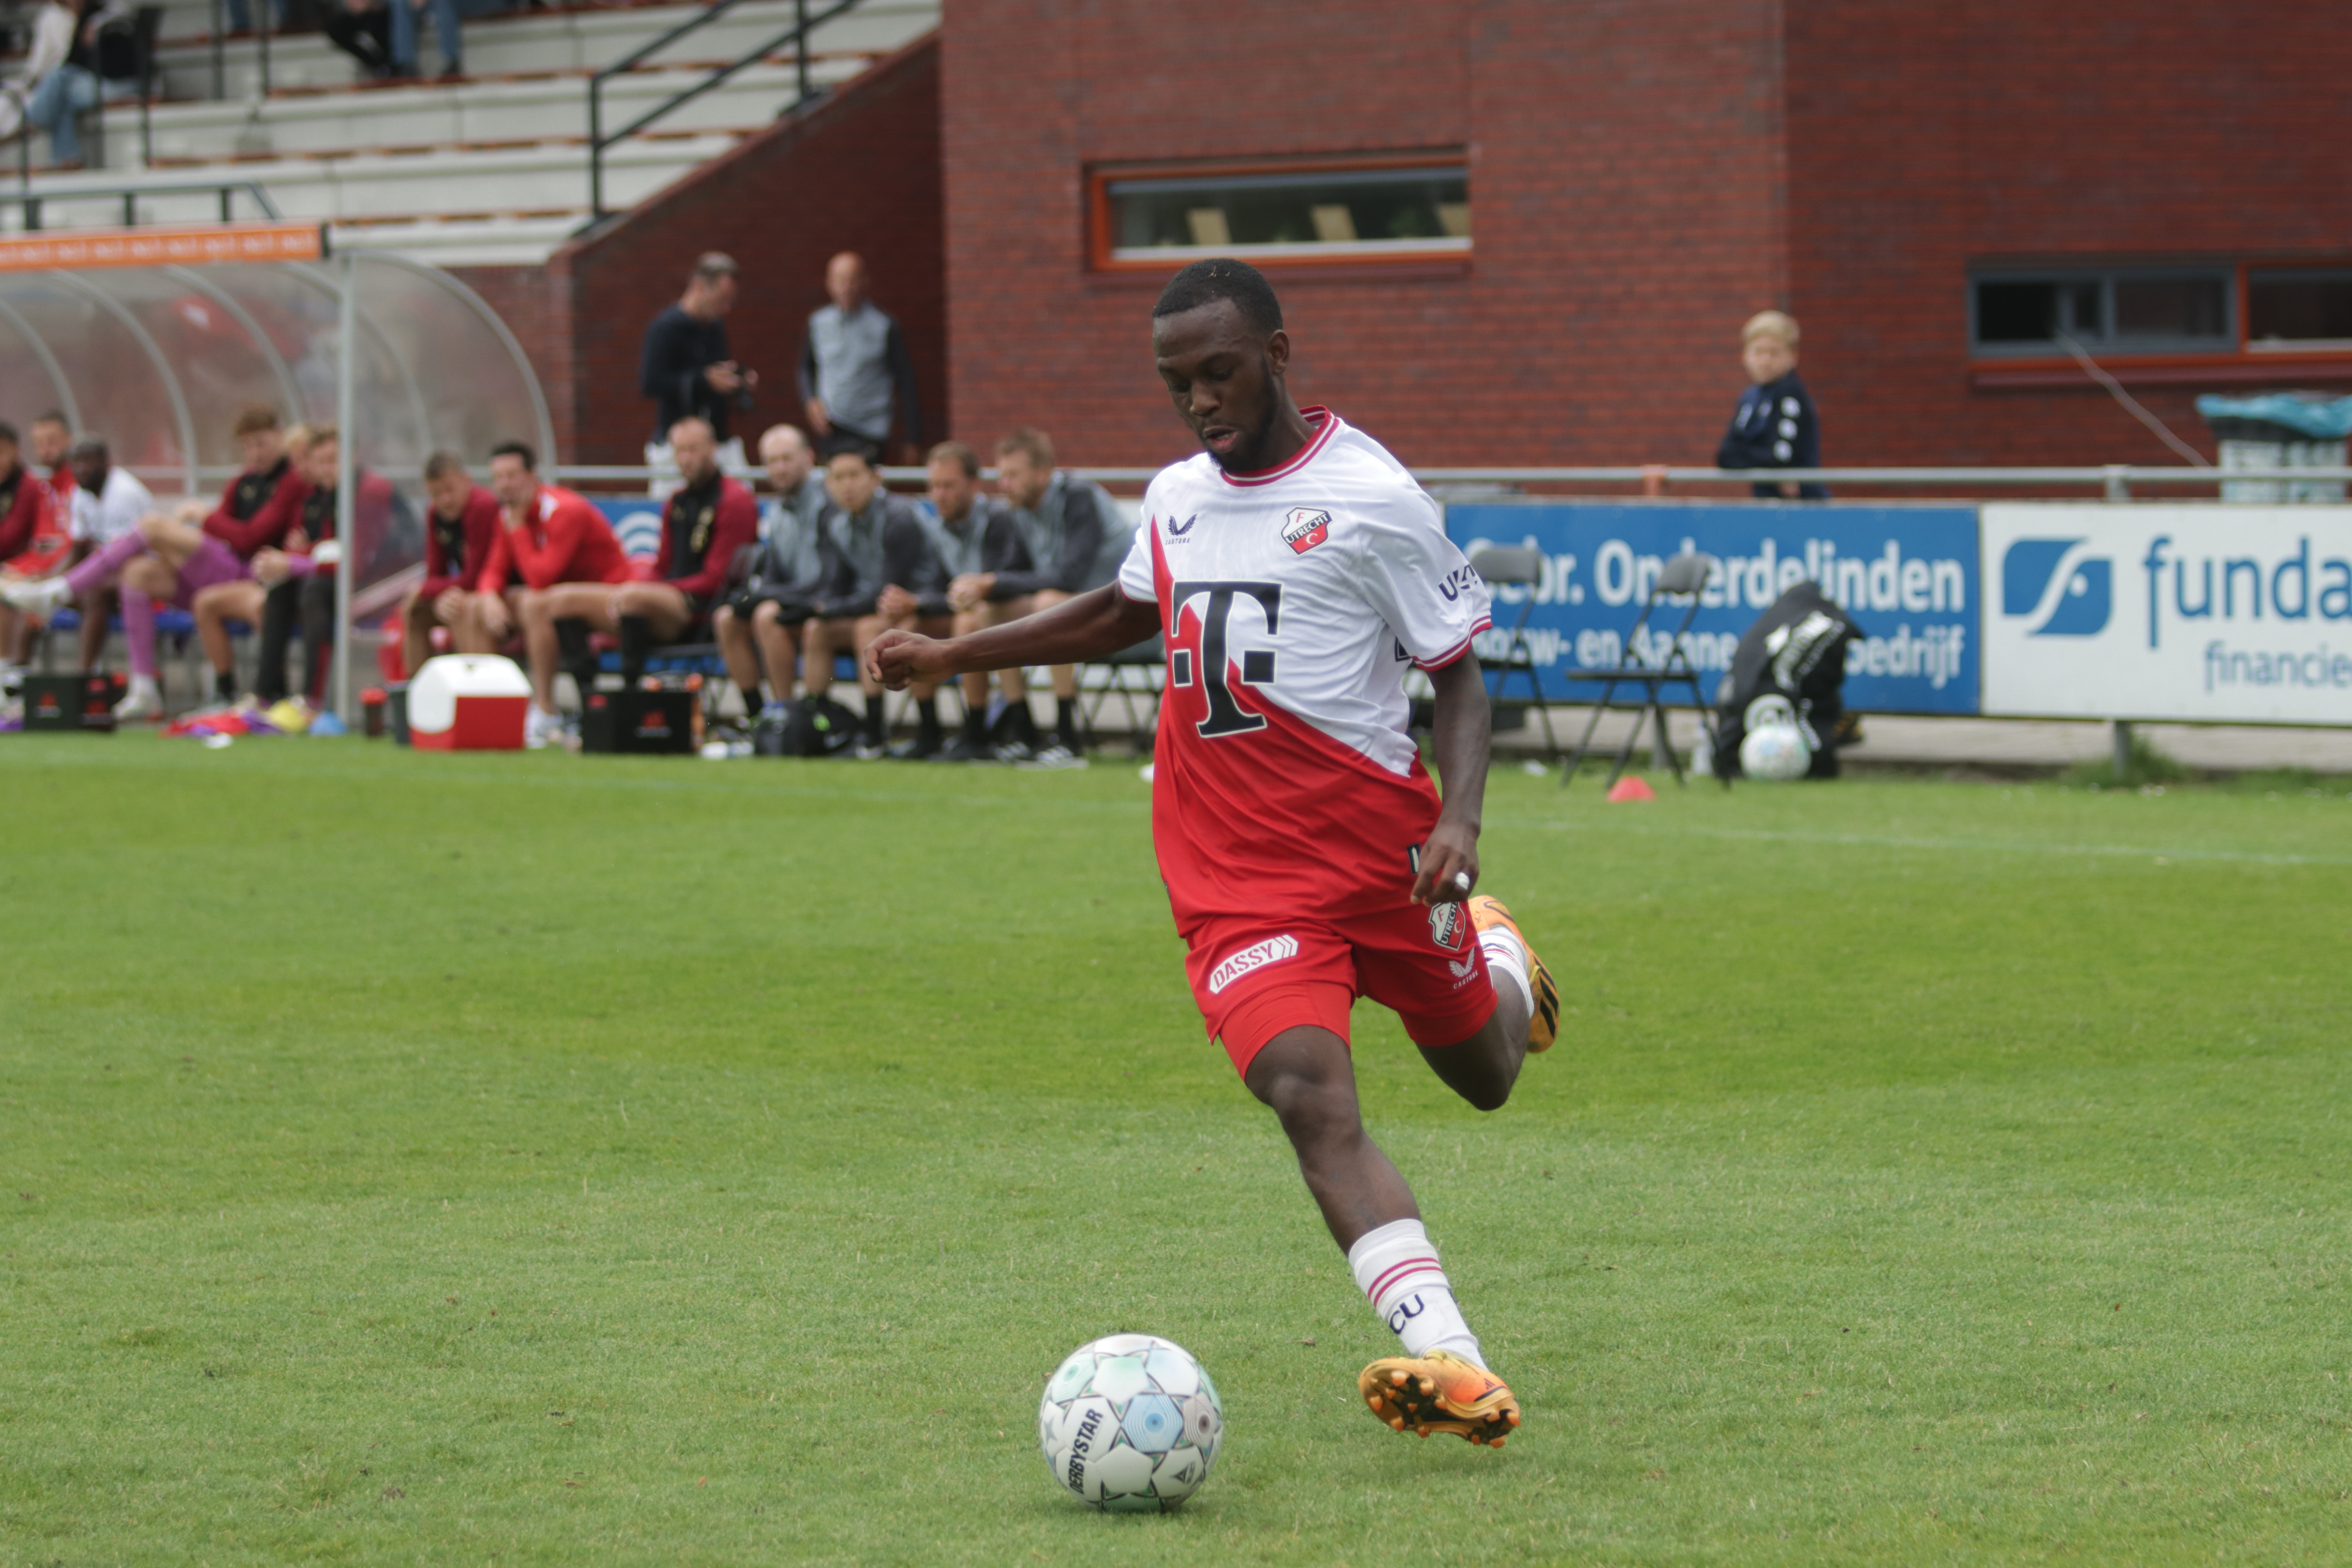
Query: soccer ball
[
  {"x": 1778, "y": 754},
  {"x": 1130, "y": 1424},
  {"x": 1778, "y": 745}
]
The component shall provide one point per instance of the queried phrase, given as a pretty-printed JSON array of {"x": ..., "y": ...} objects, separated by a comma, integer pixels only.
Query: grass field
[{"x": 560, "y": 1160}]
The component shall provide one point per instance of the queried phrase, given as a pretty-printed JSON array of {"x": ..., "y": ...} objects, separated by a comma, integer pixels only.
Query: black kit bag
[
  {"x": 816, "y": 727},
  {"x": 1795, "y": 653}
]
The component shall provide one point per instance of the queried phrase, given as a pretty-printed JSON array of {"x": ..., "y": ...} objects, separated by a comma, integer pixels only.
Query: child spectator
[{"x": 1774, "y": 426}]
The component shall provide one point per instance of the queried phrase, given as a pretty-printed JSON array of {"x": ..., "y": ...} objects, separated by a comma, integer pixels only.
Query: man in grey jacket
[{"x": 855, "y": 369}]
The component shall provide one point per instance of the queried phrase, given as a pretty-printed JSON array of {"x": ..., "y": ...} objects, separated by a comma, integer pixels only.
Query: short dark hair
[
  {"x": 1031, "y": 443},
  {"x": 954, "y": 452},
  {"x": 516, "y": 449},
  {"x": 841, "y": 441},
  {"x": 89, "y": 446},
  {"x": 712, "y": 265},
  {"x": 443, "y": 462},
  {"x": 254, "y": 418},
  {"x": 1222, "y": 278},
  {"x": 8, "y": 433},
  {"x": 52, "y": 416}
]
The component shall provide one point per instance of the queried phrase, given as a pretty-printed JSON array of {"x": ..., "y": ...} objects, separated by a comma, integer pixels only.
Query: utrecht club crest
[
  {"x": 1306, "y": 527},
  {"x": 1448, "y": 923}
]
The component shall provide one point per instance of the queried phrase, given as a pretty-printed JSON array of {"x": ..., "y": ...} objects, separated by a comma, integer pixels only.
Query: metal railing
[
  {"x": 797, "y": 35},
  {"x": 31, "y": 200},
  {"x": 2113, "y": 480}
]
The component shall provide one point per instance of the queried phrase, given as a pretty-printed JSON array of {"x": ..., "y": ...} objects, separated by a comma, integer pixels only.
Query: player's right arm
[{"x": 1102, "y": 621}]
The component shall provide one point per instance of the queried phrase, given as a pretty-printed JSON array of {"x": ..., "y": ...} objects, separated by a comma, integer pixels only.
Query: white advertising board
[{"x": 2221, "y": 614}]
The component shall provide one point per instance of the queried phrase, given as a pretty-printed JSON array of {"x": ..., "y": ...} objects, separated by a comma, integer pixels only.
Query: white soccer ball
[
  {"x": 1130, "y": 1423},
  {"x": 1778, "y": 754}
]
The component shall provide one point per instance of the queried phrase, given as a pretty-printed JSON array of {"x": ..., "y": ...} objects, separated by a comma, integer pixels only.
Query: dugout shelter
[{"x": 153, "y": 337}]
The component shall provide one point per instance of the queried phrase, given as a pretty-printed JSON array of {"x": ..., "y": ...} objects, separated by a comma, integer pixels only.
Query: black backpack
[
  {"x": 1795, "y": 650},
  {"x": 813, "y": 727}
]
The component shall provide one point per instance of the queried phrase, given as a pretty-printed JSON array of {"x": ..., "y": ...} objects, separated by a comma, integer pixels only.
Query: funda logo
[{"x": 2055, "y": 583}]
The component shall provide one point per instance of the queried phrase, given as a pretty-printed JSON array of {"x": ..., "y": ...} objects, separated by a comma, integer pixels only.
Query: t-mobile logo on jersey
[
  {"x": 1257, "y": 955},
  {"x": 1226, "y": 717}
]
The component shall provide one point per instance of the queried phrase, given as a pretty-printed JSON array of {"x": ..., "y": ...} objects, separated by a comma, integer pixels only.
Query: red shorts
[{"x": 1254, "y": 976}]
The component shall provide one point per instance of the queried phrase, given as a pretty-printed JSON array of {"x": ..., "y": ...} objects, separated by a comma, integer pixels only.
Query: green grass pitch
[{"x": 540, "y": 1159}]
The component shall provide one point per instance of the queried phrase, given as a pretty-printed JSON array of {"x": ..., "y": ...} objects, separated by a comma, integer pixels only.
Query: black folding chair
[
  {"x": 1130, "y": 673},
  {"x": 1683, "y": 575},
  {"x": 1516, "y": 566}
]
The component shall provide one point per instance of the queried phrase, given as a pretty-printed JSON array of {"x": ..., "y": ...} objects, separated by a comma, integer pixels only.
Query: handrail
[
  {"x": 81, "y": 190},
  {"x": 2115, "y": 479},
  {"x": 796, "y": 34}
]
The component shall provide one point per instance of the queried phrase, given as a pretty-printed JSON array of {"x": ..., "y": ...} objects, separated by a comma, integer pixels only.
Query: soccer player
[
  {"x": 115, "y": 521},
  {"x": 1075, "y": 540},
  {"x": 704, "y": 523},
  {"x": 33, "y": 542},
  {"x": 547, "y": 538},
  {"x": 52, "y": 440},
  {"x": 872, "y": 542},
  {"x": 978, "y": 543},
  {"x": 1297, "y": 573},
  {"x": 463, "y": 525},
  {"x": 299, "y": 581},
  {"x": 261, "y": 510},
  {"x": 763, "y": 623}
]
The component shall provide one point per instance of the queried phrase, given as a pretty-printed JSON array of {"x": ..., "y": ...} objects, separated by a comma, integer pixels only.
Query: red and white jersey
[{"x": 1294, "y": 601}]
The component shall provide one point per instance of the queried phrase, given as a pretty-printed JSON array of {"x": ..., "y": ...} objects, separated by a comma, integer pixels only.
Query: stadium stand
[{"x": 489, "y": 170}]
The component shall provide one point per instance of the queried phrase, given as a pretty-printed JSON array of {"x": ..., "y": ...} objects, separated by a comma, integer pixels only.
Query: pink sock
[
  {"x": 139, "y": 630},
  {"x": 106, "y": 561}
]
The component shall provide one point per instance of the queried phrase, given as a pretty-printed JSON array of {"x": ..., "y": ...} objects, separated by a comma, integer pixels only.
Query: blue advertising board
[
  {"x": 1908, "y": 575},
  {"x": 637, "y": 518}
]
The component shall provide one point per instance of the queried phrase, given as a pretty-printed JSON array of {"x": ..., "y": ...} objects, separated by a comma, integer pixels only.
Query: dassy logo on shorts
[
  {"x": 1257, "y": 955},
  {"x": 1305, "y": 527}
]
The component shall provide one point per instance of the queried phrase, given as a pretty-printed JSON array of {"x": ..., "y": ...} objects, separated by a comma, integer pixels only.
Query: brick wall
[
  {"x": 1921, "y": 138},
  {"x": 1625, "y": 200},
  {"x": 536, "y": 307},
  {"x": 860, "y": 172},
  {"x": 1643, "y": 177}
]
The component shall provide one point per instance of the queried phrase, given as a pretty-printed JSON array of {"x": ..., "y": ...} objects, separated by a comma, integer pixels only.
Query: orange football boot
[
  {"x": 1440, "y": 1391},
  {"x": 1543, "y": 1026}
]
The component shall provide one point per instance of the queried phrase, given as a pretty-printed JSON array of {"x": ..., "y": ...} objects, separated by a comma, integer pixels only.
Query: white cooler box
[{"x": 467, "y": 702}]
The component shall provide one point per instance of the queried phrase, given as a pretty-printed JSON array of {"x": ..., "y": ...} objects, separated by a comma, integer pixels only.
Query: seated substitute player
[
  {"x": 52, "y": 439},
  {"x": 704, "y": 523},
  {"x": 299, "y": 583},
  {"x": 872, "y": 542},
  {"x": 261, "y": 510},
  {"x": 33, "y": 544},
  {"x": 114, "y": 521},
  {"x": 458, "y": 532},
  {"x": 761, "y": 624},
  {"x": 1075, "y": 538},
  {"x": 1298, "y": 573},
  {"x": 547, "y": 538},
  {"x": 977, "y": 542}
]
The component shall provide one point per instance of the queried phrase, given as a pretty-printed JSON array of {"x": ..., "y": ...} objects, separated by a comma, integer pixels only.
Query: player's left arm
[
  {"x": 1417, "y": 580},
  {"x": 1460, "y": 738}
]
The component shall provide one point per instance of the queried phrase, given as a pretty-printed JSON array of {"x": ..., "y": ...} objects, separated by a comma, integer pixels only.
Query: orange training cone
[{"x": 1632, "y": 787}]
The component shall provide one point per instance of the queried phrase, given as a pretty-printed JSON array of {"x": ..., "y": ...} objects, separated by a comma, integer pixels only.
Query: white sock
[
  {"x": 1505, "y": 954},
  {"x": 143, "y": 685},
  {"x": 1396, "y": 1269}
]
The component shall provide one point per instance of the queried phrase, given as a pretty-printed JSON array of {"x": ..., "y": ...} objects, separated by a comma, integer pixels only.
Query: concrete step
[
  {"x": 534, "y": 181},
  {"x": 456, "y": 116},
  {"x": 526, "y": 43}
]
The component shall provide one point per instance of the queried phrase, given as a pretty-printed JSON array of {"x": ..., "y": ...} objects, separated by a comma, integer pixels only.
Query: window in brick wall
[
  {"x": 1411, "y": 207},
  {"x": 2290, "y": 311},
  {"x": 2125, "y": 311}
]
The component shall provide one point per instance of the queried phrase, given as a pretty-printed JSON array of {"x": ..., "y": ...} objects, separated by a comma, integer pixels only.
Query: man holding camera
[{"x": 685, "y": 369}]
